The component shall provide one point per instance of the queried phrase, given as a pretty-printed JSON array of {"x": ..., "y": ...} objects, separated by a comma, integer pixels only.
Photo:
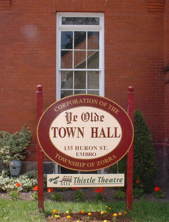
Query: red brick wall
[{"x": 134, "y": 55}]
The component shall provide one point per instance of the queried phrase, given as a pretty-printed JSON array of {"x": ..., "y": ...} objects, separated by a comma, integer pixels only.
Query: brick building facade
[{"x": 136, "y": 52}]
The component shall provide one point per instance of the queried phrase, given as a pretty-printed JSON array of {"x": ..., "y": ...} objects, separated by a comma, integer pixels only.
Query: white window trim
[{"x": 100, "y": 28}]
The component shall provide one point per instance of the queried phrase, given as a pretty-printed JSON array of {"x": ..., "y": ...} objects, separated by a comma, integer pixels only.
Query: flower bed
[
  {"x": 83, "y": 216},
  {"x": 22, "y": 183}
]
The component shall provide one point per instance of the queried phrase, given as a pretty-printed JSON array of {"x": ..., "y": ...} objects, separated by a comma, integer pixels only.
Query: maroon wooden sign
[{"x": 85, "y": 132}]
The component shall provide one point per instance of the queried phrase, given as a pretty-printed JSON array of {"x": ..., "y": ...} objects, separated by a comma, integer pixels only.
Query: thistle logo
[
  {"x": 66, "y": 180},
  {"x": 54, "y": 180}
]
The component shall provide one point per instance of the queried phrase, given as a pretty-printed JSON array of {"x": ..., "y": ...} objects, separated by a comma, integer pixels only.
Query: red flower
[
  {"x": 49, "y": 189},
  {"x": 35, "y": 188},
  {"x": 99, "y": 190},
  {"x": 18, "y": 184},
  {"x": 157, "y": 189}
]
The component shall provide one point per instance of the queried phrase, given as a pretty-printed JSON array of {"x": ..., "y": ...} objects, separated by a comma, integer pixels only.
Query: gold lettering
[
  {"x": 105, "y": 161},
  {"x": 113, "y": 109}
]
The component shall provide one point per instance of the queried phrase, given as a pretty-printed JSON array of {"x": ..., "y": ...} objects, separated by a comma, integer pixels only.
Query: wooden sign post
[
  {"x": 39, "y": 110},
  {"x": 130, "y": 155},
  {"x": 85, "y": 133}
]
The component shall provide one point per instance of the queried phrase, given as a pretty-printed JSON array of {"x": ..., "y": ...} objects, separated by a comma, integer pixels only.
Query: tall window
[{"x": 80, "y": 54}]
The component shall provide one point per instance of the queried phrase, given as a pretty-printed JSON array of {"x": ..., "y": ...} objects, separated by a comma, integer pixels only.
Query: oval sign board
[{"x": 85, "y": 132}]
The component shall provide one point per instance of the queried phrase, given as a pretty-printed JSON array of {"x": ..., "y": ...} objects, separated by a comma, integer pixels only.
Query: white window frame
[
  {"x": 60, "y": 28},
  {"x": 99, "y": 28}
]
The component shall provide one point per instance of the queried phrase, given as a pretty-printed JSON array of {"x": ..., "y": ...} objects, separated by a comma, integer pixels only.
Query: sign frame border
[{"x": 124, "y": 112}]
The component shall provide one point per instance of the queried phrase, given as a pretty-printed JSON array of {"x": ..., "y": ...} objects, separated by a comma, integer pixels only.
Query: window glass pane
[
  {"x": 93, "y": 40},
  {"x": 66, "y": 40},
  {"x": 67, "y": 80},
  {"x": 93, "y": 80},
  {"x": 80, "y": 21},
  {"x": 79, "y": 56},
  {"x": 82, "y": 65},
  {"x": 79, "y": 59},
  {"x": 66, "y": 93},
  {"x": 93, "y": 92},
  {"x": 80, "y": 80},
  {"x": 66, "y": 59},
  {"x": 80, "y": 40},
  {"x": 93, "y": 60},
  {"x": 80, "y": 92}
]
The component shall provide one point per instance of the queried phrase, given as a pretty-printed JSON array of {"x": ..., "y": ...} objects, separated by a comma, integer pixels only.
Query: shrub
[
  {"x": 79, "y": 195},
  {"x": 144, "y": 155},
  {"x": 138, "y": 192},
  {"x": 13, "y": 146},
  {"x": 120, "y": 195},
  {"x": 99, "y": 197},
  {"x": 57, "y": 196}
]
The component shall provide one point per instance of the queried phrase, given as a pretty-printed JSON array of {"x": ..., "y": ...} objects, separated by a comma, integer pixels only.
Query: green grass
[
  {"x": 26, "y": 211},
  {"x": 19, "y": 211},
  {"x": 75, "y": 206},
  {"x": 146, "y": 211}
]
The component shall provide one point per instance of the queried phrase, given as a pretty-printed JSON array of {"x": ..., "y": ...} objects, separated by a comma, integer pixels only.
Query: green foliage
[
  {"x": 144, "y": 158},
  {"x": 31, "y": 174},
  {"x": 14, "y": 195},
  {"x": 120, "y": 166},
  {"x": 57, "y": 196},
  {"x": 120, "y": 195},
  {"x": 144, "y": 155},
  {"x": 138, "y": 192},
  {"x": 13, "y": 145},
  {"x": 150, "y": 211},
  {"x": 115, "y": 206},
  {"x": 34, "y": 195},
  {"x": 79, "y": 195},
  {"x": 160, "y": 194},
  {"x": 99, "y": 197}
]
